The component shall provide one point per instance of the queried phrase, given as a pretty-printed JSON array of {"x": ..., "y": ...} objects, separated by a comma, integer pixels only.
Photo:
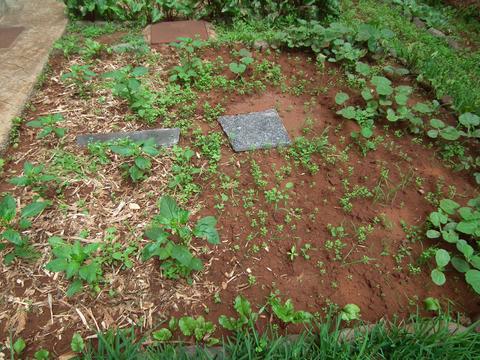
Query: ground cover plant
[{"x": 372, "y": 213}]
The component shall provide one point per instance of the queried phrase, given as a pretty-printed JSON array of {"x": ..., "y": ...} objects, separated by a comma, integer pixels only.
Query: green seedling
[
  {"x": 286, "y": 312},
  {"x": 14, "y": 224},
  {"x": 79, "y": 263},
  {"x": 246, "y": 317},
  {"x": 198, "y": 327},
  {"x": 48, "y": 126},
  {"x": 350, "y": 312},
  {"x": 456, "y": 225},
  {"x": 170, "y": 236},
  {"x": 245, "y": 59},
  {"x": 138, "y": 154}
]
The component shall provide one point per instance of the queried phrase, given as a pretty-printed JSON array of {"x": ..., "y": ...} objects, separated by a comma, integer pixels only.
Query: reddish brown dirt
[{"x": 378, "y": 288}]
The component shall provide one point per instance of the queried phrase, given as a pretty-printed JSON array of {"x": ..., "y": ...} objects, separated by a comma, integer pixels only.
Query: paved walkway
[{"x": 20, "y": 64}]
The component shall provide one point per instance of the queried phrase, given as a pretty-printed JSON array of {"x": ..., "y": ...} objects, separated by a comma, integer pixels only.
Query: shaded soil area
[{"x": 379, "y": 271}]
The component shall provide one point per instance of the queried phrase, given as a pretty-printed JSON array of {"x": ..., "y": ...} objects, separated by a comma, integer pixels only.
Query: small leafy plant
[
  {"x": 190, "y": 65},
  {"x": 34, "y": 176},
  {"x": 350, "y": 312},
  {"x": 79, "y": 263},
  {"x": 80, "y": 76},
  {"x": 246, "y": 316},
  {"x": 138, "y": 163},
  {"x": 171, "y": 235},
  {"x": 459, "y": 226},
  {"x": 286, "y": 312},
  {"x": 127, "y": 85},
  {"x": 48, "y": 125},
  {"x": 198, "y": 327},
  {"x": 245, "y": 59},
  {"x": 14, "y": 226}
]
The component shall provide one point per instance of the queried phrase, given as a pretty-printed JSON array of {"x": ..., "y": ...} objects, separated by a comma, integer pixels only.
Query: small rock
[
  {"x": 436, "y": 33},
  {"x": 348, "y": 334},
  {"x": 123, "y": 47},
  {"x": 421, "y": 191},
  {"x": 133, "y": 206},
  {"x": 419, "y": 23},
  {"x": 261, "y": 45},
  {"x": 476, "y": 320},
  {"x": 454, "y": 44},
  {"x": 446, "y": 100}
]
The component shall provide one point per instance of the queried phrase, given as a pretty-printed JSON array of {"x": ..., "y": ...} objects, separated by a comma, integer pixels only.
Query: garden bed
[{"x": 318, "y": 222}]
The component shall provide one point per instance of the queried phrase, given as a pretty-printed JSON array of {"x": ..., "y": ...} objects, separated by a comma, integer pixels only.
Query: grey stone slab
[
  {"x": 257, "y": 130},
  {"x": 162, "y": 137}
]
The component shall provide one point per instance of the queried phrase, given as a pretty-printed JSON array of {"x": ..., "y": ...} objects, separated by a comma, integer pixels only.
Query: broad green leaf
[
  {"x": 450, "y": 236},
  {"x": 170, "y": 211},
  {"x": 187, "y": 325},
  {"x": 341, "y": 97},
  {"x": 366, "y": 132},
  {"x": 348, "y": 112},
  {"x": 401, "y": 99},
  {"x": 19, "y": 345},
  {"x": 72, "y": 269},
  {"x": 57, "y": 265},
  {"x": 449, "y": 206},
  {"x": 460, "y": 264},
  {"x": 350, "y": 312},
  {"x": 431, "y": 304},
  {"x": 391, "y": 116},
  {"x": 237, "y": 68},
  {"x": 423, "y": 108},
  {"x": 162, "y": 334},
  {"x": 229, "y": 323},
  {"x": 469, "y": 120},
  {"x": 438, "y": 277},
  {"x": 383, "y": 85},
  {"x": 34, "y": 209},
  {"x": 437, "y": 218},
  {"x": 433, "y": 234},
  {"x": 8, "y": 208},
  {"x": 362, "y": 68},
  {"x": 74, "y": 288},
  {"x": 450, "y": 133},
  {"x": 123, "y": 150},
  {"x": 143, "y": 163},
  {"x": 41, "y": 354},
  {"x": 77, "y": 344},
  {"x": 442, "y": 258},
  {"x": 205, "y": 229},
  {"x": 182, "y": 254},
  {"x": 89, "y": 272},
  {"x": 473, "y": 278},
  {"x": 475, "y": 261},
  {"x": 432, "y": 134},
  {"x": 465, "y": 249},
  {"x": 13, "y": 237},
  {"x": 156, "y": 233},
  {"x": 139, "y": 71},
  {"x": 195, "y": 264},
  {"x": 367, "y": 94},
  {"x": 437, "y": 124},
  {"x": 467, "y": 227}
]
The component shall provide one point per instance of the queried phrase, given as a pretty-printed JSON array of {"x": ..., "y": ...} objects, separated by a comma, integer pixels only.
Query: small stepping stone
[
  {"x": 257, "y": 130},
  {"x": 162, "y": 137},
  {"x": 8, "y": 34},
  {"x": 168, "y": 31}
]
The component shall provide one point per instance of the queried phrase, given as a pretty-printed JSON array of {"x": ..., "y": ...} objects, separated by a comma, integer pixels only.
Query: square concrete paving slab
[
  {"x": 8, "y": 34},
  {"x": 168, "y": 31},
  {"x": 162, "y": 137},
  {"x": 257, "y": 130}
]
